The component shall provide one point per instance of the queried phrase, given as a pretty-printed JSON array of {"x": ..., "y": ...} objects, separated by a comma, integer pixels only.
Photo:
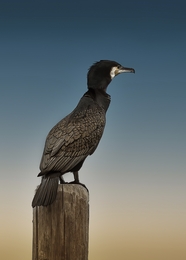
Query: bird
[{"x": 78, "y": 134}]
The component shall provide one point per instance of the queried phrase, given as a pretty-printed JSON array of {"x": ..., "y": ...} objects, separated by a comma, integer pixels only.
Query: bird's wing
[{"x": 73, "y": 139}]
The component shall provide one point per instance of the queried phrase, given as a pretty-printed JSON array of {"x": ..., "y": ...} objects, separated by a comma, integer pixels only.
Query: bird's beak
[{"x": 122, "y": 69}]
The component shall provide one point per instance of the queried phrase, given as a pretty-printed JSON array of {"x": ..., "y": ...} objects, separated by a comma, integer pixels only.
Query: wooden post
[{"x": 60, "y": 231}]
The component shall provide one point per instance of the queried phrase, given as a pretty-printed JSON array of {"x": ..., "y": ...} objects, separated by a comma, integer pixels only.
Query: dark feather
[{"x": 46, "y": 193}]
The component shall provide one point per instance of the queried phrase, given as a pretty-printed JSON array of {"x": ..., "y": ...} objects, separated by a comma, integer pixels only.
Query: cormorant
[{"x": 78, "y": 134}]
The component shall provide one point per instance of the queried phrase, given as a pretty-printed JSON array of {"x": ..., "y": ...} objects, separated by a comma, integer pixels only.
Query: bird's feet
[{"x": 75, "y": 182}]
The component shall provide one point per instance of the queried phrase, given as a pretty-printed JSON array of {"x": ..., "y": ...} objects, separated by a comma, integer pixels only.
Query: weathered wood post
[{"x": 60, "y": 231}]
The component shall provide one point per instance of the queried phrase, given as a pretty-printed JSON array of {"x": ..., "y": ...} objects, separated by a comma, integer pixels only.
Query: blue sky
[{"x": 136, "y": 177}]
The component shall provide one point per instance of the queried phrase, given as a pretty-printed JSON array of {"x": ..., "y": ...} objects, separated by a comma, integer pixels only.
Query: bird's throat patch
[{"x": 114, "y": 72}]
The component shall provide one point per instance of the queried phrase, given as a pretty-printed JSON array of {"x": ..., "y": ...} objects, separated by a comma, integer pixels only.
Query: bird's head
[{"x": 102, "y": 72}]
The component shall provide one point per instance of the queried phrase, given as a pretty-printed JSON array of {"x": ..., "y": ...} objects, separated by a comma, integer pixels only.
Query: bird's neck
[
  {"x": 98, "y": 83},
  {"x": 100, "y": 97}
]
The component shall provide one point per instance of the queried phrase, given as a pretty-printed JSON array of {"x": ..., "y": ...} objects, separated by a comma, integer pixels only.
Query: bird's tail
[{"x": 46, "y": 193}]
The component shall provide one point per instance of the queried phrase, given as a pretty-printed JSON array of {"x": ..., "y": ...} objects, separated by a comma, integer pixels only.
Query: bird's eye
[{"x": 119, "y": 66}]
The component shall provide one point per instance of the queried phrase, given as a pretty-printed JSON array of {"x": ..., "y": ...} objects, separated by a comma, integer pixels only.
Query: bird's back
[{"x": 74, "y": 137}]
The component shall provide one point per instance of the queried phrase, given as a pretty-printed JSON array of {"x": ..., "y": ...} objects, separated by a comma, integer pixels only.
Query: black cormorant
[{"x": 78, "y": 134}]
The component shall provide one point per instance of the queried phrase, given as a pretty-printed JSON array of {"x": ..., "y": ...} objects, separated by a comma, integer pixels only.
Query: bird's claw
[{"x": 75, "y": 182}]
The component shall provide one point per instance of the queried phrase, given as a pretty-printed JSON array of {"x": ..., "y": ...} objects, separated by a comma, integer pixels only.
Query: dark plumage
[{"x": 78, "y": 134}]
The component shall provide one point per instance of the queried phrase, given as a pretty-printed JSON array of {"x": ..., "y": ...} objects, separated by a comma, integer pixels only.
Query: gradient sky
[{"x": 137, "y": 177}]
